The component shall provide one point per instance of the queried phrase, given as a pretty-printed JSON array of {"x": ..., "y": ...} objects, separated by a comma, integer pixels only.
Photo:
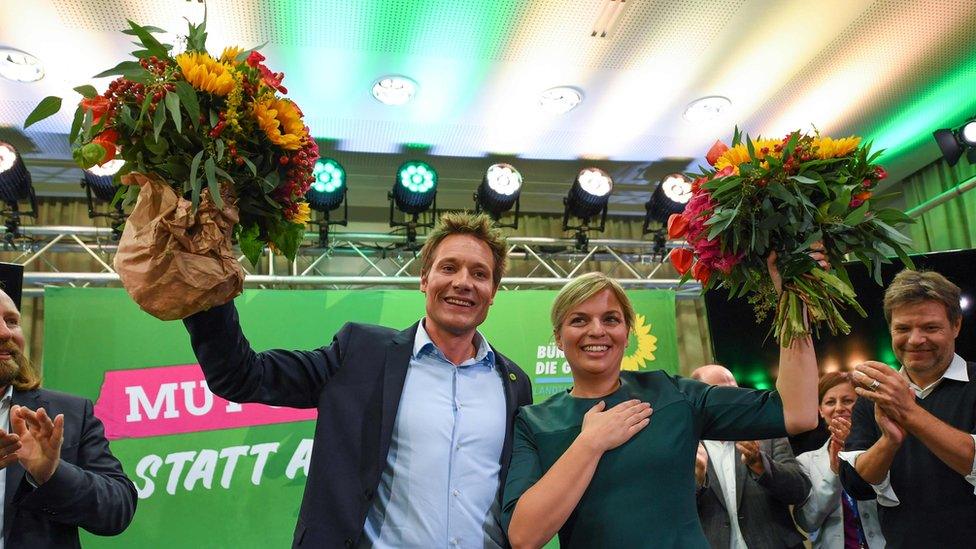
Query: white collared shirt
[
  {"x": 957, "y": 371},
  {"x": 722, "y": 455},
  {"x": 5, "y": 402}
]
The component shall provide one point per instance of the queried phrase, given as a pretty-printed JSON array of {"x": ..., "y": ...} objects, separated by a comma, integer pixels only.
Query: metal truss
[{"x": 354, "y": 260}]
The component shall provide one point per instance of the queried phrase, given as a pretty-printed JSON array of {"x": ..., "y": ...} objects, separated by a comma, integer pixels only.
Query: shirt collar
[
  {"x": 8, "y": 395},
  {"x": 957, "y": 371},
  {"x": 423, "y": 343}
]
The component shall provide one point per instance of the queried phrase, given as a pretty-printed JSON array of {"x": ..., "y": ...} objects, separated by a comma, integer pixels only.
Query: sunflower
[
  {"x": 738, "y": 154},
  {"x": 835, "y": 148},
  {"x": 300, "y": 213},
  {"x": 206, "y": 73},
  {"x": 282, "y": 122},
  {"x": 646, "y": 345},
  {"x": 230, "y": 54}
]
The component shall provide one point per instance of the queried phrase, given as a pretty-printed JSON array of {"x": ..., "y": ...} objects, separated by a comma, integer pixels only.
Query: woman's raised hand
[{"x": 606, "y": 429}]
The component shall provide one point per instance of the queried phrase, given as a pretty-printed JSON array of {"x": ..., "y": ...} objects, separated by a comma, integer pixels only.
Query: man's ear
[{"x": 423, "y": 282}]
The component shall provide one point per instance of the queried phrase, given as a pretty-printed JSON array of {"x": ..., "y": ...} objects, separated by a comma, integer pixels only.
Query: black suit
[
  {"x": 762, "y": 503},
  {"x": 355, "y": 383},
  {"x": 88, "y": 489}
]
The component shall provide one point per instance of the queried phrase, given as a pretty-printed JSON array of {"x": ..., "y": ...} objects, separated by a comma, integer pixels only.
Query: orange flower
[
  {"x": 98, "y": 105},
  {"x": 205, "y": 73},
  {"x": 681, "y": 259},
  {"x": 701, "y": 272},
  {"x": 677, "y": 226},
  {"x": 717, "y": 150},
  {"x": 108, "y": 141},
  {"x": 282, "y": 123}
]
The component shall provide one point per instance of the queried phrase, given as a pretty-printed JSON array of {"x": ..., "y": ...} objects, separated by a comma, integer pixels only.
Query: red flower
[
  {"x": 880, "y": 173},
  {"x": 696, "y": 184},
  {"x": 108, "y": 141},
  {"x": 681, "y": 259},
  {"x": 255, "y": 59},
  {"x": 725, "y": 172},
  {"x": 272, "y": 79},
  {"x": 717, "y": 150},
  {"x": 677, "y": 226},
  {"x": 98, "y": 105},
  {"x": 701, "y": 272}
]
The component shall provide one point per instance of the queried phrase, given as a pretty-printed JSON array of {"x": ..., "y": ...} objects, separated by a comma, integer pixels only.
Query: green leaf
[
  {"x": 250, "y": 245},
  {"x": 246, "y": 53},
  {"x": 159, "y": 118},
  {"x": 76, "y": 125},
  {"x": 86, "y": 91},
  {"x": 146, "y": 28},
  {"x": 49, "y": 106},
  {"x": 172, "y": 101},
  {"x": 857, "y": 216},
  {"x": 129, "y": 69},
  {"x": 209, "y": 168},
  {"x": 224, "y": 175},
  {"x": 194, "y": 184},
  {"x": 250, "y": 166},
  {"x": 893, "y": 234},
  {"x": 189, "y": 99},
  {"x": 803, "y": 179},
  {"x": 125, "y": 115},
  {"x": 148, "y": 40},
  {"x": 219, "y": 145}
]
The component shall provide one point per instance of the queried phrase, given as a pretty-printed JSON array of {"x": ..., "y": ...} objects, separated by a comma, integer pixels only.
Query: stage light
[
  {"x": 589, "y": 196},
  {"x": 499, "y": 191},
  {"x": 99, "y": 183},
  {"x": 394, "y": 90},
  {"x": 953, "y": 143},
  {"x": 15, "y": 185},
  {"x": 414, "y": 192},
  {"x": 415, "y": 187},
  {"x": 670, "y": 197},
  {"x": 328, "y": 190}
]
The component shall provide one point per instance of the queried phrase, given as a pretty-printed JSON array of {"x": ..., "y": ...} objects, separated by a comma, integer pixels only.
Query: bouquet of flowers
[
  {"x": 785, "y": 196},
  {"x": 217, "y": 148}
]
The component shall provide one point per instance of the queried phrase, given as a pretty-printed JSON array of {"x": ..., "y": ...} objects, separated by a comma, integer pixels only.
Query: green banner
[{"x": 217, "y": 474}]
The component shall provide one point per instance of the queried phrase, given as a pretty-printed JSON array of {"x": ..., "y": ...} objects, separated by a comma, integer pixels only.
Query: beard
[{"x": 10, "y": 368}]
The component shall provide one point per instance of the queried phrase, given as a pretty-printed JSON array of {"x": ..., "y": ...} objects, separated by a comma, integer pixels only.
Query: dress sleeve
[
  {"x": 733, "y": 413},
  {"x": 523, "y": 472}
]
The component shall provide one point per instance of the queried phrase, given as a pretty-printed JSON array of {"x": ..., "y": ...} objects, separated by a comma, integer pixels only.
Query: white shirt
[
  {"x": 5, "y": 402},
  {"x": 722, "y": 455},
  {"x": 957, "y": 371}
]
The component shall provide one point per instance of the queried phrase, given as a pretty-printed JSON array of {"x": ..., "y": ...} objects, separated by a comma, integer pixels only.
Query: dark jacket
[
  {"x": 88, "y": 489},
  {"x": 355, "y": 383},
  {"x": 763, "y": 502}
]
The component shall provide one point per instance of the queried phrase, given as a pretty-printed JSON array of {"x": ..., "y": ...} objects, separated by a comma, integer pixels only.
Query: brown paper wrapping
[{"x": 171, "y": 261}]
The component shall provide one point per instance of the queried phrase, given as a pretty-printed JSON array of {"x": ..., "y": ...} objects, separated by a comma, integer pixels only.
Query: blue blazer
[
  {"x": 88, "y": 489},
  {"x": 355, "y": 383}
]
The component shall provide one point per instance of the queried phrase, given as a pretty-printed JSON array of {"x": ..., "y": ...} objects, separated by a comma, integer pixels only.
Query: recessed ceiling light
[
  {"x": 394, "y": 90},
  {"x": 560, "y": 100},
  {"x": 706, "y": 109},
  {"x": 20, "y": 66}
]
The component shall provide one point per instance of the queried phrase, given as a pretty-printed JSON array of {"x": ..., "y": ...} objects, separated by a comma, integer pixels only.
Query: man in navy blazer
[
  {"x": 414, "y": 427},
  {"x": 60, "y": 474}
]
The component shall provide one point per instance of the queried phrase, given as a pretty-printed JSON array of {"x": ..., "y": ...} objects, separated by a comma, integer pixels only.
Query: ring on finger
[{"x": 874, "y": 385}]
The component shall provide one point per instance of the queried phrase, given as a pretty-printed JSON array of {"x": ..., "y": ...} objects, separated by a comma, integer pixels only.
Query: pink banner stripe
[{"x": 167, "y": 400}]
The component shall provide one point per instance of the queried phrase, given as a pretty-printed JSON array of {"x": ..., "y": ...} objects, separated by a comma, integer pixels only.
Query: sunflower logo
[{"x": 640, "y": 346}]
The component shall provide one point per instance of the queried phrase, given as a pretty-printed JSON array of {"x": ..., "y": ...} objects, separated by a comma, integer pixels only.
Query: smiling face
[
  {"x": 459, "y": 286},
  {"x": 11, "y": 341},
  {"x": 923, "y": 339},
  {"x": 838, "y": 401},
  {"x": 593, "y": 335}
]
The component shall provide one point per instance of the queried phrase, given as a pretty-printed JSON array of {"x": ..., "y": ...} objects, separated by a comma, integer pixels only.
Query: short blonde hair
[
  {"x": 913, "y": 287},
  {"x": 477, "y": 225},
  {"x": 584, "y": 287}
]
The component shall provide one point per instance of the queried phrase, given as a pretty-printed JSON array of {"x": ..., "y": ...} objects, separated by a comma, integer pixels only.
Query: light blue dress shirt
[
  {"x": 440, "y": 484},
  {"x": 5, "y": 404}
]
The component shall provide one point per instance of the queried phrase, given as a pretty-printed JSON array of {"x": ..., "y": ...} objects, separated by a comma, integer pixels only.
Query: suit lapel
[
  {"x": 511, "y": 404},
  {"x": 15, "y": 472},
  {"x": 394, "y": 373},
  {"x": 714, "y": 482},
  {"x": 740, "y": 478}
]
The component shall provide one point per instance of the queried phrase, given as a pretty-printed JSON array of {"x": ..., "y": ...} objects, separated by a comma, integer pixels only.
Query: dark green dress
[{"x": 643, "y": 492}]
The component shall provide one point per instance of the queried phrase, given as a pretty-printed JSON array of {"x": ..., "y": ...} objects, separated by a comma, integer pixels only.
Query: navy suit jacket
[
  {"x": 88, "y": 489},
  {"x": 355, "y": 383}
]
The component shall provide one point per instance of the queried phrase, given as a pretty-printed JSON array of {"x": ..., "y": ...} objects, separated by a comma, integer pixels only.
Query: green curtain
[{"x": 951, "y": 225}]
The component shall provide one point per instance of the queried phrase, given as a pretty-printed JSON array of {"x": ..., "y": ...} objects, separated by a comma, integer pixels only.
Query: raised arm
[
  {"x": 797, "y": 385},
  {"x": 277, "y": 377}
]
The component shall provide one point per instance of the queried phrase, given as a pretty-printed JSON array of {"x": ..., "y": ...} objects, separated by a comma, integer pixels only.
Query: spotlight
[
  {"x": 670, "y": 197},
  {"x": 15, "y": 185},
  {"x": 414, "y": 192},
  {"x": 499, "y": 191},
  {"x": 99, "y": 184},
  {"x": 953, "y": 143},
  {"x": 327, "y": 193},
  {"x": 588, "y": 197}
]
